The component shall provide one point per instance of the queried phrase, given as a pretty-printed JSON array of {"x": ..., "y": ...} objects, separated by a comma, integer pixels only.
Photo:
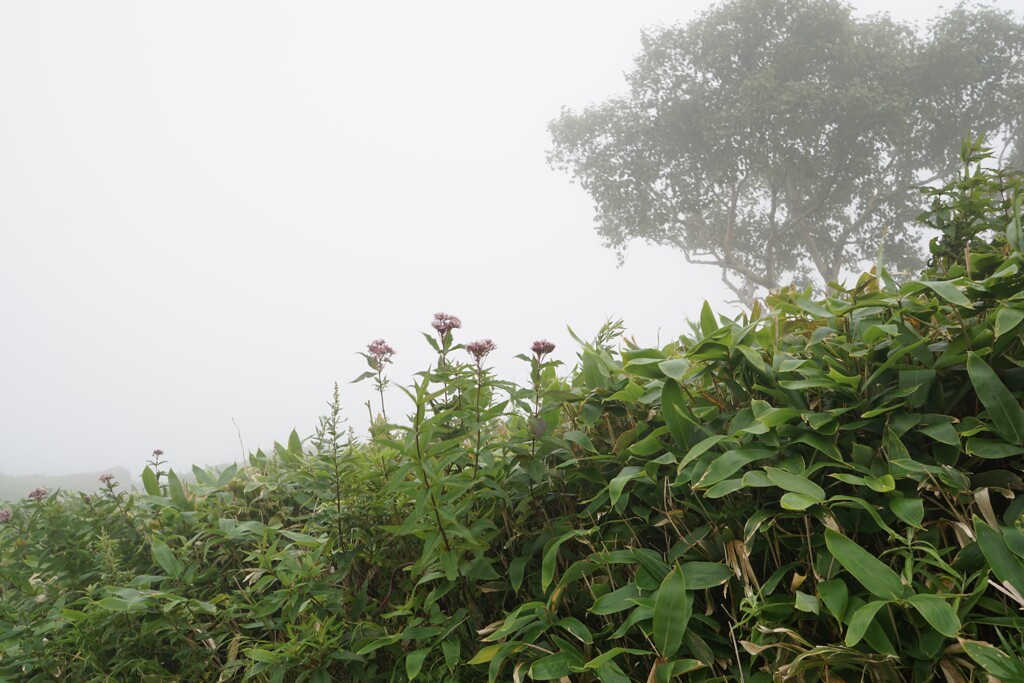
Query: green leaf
[
  {"x": 944, "y": 288},
  {"x": 795, "y": 483},
  {"x": 164, "y": 557},
  {"x": 580, "y": 439},
  {"x": 577, "y": 628},
  {"x": 937, "y": 612},
  {"x": 992, "y": 450},
  {"x": 675, "y": 368},
  {"x": 1007, "y": 319},
  {"x": 617, "y": 601},
  {"x": 548, "y": 564},
  {"x": 261, "y": 655},
  {"x": 797, "y": 501},
  {"x": 616, "y": 485},
  {"x": 177, "y": 492},
  {"x": 708, "y": 324},
  {"x": 728, "y": 463},
  {"x": 861, "y": 620},
  {"x": 702, "y": 575},
  {"x": 993, "y": 660},
  {"x": 675, "y": 412},
  {"x": 910, "y": 509},
  {"x": 1003, "y": 409},
  {"x": 1003, "y": 562},
  {"x": 835, "y": 596},
  {"x": 294, "y": 443},
  {"x": 878, "y": 578},
  {"x": 552, "y": 667},
  {"x": 671, "y": 613},
  {"x": 807, "y": 603},
  {"x": 414, "y": 662},
  {"x": 486, "y": 654},
  {"x": 149, "y": 482}
]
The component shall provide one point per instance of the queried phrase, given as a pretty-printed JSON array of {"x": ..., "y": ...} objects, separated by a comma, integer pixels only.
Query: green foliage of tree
[
  {"x": 779, "y": 140},
  {"x": 821, "y": 489}
]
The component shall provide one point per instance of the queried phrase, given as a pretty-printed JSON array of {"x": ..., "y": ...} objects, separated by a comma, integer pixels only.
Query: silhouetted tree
[{"x": 778, "y": 139}]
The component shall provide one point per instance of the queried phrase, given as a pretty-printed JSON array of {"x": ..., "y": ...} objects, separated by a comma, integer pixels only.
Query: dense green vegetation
[{"x": 819, "y": 490}]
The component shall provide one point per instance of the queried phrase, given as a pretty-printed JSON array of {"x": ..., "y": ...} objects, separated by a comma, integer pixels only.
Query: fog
[{"x": 208, "y": 209}]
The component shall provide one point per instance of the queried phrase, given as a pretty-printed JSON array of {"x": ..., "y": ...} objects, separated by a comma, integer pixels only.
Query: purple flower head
[
  {"x": 480, "y": 349},
  {"x": 5, "y": 516},
  {"x": 107, "y": 478},
  {"x": 38, "y": 493},
  {"x": 542, "y": 347},
  {"x": 158, "y": 452},
  {"x": 444, "y": 323},
  {"x": 381, "y": 351}
]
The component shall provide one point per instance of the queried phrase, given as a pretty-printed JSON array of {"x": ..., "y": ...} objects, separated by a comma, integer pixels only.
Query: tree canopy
[{"x": 779, "y": 140}]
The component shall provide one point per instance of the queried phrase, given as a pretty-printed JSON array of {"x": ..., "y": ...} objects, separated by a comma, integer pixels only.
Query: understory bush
[{"x": 824, "y": 489}]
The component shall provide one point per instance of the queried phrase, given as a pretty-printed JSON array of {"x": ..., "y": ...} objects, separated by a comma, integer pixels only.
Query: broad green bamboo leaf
[
  {"x": 552, "y": 667},
  {"x": 548, "y": 564},
  {"x": 1003, "y": 562},
  {"x": 414, "y": 662},
  {"x": 149, "y": 482},
  {"x": 708, "y": 324},
  {"x": 702, "y": 575},
  {"x": 1007, "y": 319},
  {"x": 671, "y": 613},
  {"x": 577, "y": 628},
  {"x": 947, "y": 289},
  {"x": 937, "y": 612},
  {"x": 486, "y": 654},
  {"x": 700, "y": 448},
  {"x": 728, "y": 463},
  {"x": 835, "y": 596},
  {"x": 675, "y": 368},
  {"x": 164, "y": 557},
  {"x": 991, "y": 449},
  {"x": 1003, "y": 409},
  {"x": 580, "y": 439},
  {"x": 861, "y": 620},
  {"x": 675, "y": 412},
  {"x": 617, "y": 601},
  {"x": 177, "y": 492},
  {"x": 797, "y": 501},
  {"x": 795, "y": 483},
  {"x": 910, "y": 509},
  {"x": 616, "y": 485},
  {"x": 878, "y": 578},
  {"x": 993, "y": 660},
  {"x": 611, "y": 654}
]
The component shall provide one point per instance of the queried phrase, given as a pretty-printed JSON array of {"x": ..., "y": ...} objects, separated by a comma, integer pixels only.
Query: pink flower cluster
[
  {"x": 542, "y": 347},
  {"x": 5, "y": 516},
  {"x": 480, "y": 349},
  {"x": 107, "y": 478},
  {"x": 381, "y": 351},
  {"x": 445, "y": 323},
  {"x": 38, "y": 493}
]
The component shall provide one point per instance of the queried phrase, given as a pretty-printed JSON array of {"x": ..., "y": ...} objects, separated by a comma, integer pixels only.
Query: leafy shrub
[{"x": 827, "y": 490}]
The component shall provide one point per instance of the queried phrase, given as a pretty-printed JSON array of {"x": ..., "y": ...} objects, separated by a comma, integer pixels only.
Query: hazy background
[{"x": 207, "y": 209}]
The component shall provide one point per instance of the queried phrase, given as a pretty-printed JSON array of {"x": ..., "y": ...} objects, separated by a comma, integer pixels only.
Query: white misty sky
[{"x": 207, "y": 209}]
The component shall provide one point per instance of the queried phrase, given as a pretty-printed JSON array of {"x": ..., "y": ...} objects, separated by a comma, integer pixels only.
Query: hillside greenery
[{"x": 822, "y": 489}]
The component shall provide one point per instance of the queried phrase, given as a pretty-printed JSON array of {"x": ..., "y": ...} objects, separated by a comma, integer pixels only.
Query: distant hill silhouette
[{"x": 14, "y": 488}]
